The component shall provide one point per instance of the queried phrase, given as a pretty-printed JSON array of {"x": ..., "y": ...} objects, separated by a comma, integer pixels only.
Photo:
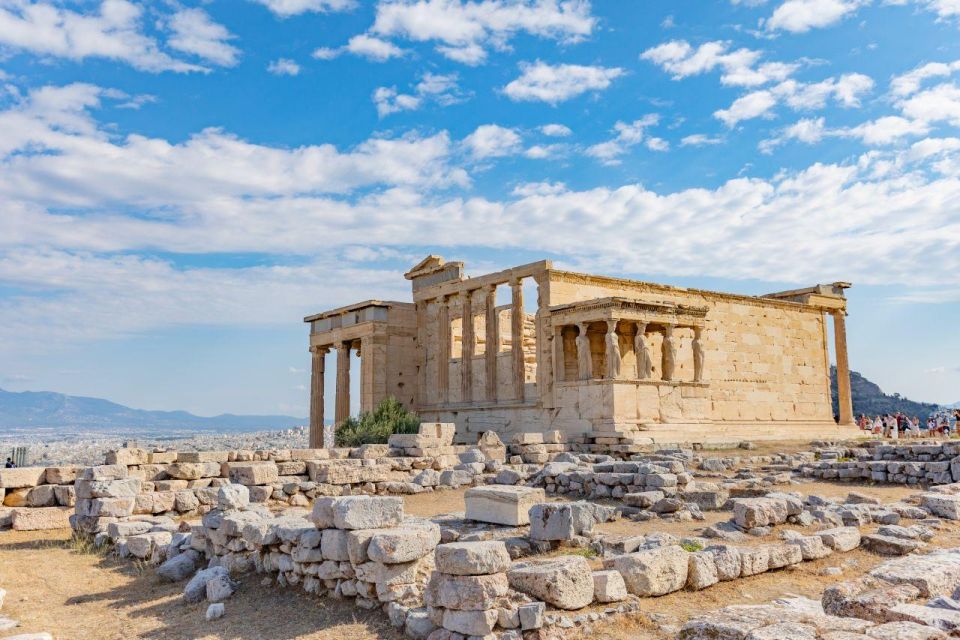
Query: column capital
[
  {"x": 320, "y": 349},
  {"x": 516, "y": 282}
]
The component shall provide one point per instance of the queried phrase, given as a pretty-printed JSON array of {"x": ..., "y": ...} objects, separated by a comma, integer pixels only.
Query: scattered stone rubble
[
  {"x": 329, "y": 522},
  {"x": 903, "y": 599}
]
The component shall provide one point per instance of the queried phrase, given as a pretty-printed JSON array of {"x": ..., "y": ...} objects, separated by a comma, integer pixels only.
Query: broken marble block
[
  {"x": 472, "y": 558},
  {"x": 654, "y": 572},
  {"x": 565, "y": 582},
  {"x": 561, "y": 521}
]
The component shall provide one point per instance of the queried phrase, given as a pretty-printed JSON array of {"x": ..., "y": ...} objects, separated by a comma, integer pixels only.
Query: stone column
[
  {"x": 443, "y": 354},
  {"x": 317, "y": 370},
  {"x": 516, "y": 338},
  {"x": 614, "y": 358},
  {"x": 467, "y": 349},
  {"x": 640, "y": 349},
  {"x": 342, "y": 411},
  {"x": 421, "y": 314},
  {"x": 698, "y": 354},
  {"x": 492, "y": 340},
  {"x": 844, "y": 398},
  {"x": 584, "y": 358},
  {"x": 669, "y": 353}
]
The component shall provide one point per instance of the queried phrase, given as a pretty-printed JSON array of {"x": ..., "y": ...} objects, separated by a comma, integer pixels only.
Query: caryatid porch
[{"x": 639, "y": 362}]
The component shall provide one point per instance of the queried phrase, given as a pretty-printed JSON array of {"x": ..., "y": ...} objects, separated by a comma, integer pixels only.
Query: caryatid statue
[
  {"x": 584, "y": 359},
  {"x": 644, "y": 361},
  {"x": 669, "y": 352},
  {"x": 614, "y": 359},
  {"x": 698, "y": 354}
]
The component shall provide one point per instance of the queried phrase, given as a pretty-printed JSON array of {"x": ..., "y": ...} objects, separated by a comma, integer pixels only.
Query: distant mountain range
[
  {"x": 870, "y": 399},
  {"x": 45, "y": 409}
]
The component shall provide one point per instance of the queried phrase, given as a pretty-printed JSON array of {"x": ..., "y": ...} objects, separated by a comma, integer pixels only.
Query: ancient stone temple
[{"x": 601, "y": 359}]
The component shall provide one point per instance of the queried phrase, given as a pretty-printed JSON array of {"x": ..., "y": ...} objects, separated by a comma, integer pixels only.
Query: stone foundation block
[
  {"x": 654, "y": 572},
  {"x": 565, "y": 582},
  {"x": 403, "y": 544},
  {"x": 608, "y": 586},
  {"x": 467, "y": 593},
  {"x": 22, "y": 477},
  {"x": 365, "y": 512},
  {"x": 254, "y": 474},
  {"x": 472, "y": 558},
  {"x": 841, "y": 538},
  {"x": 40, "y": 519},
  {"x": 702, "y": 570}
]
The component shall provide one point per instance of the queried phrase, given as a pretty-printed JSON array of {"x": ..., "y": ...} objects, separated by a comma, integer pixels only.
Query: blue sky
[{"x": 183, "y": 182}]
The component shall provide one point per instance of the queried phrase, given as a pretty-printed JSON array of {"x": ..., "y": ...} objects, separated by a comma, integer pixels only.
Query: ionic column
[
  {"x": 584, "y": 358},
  {"x": 467, "y": 349},
  {"x": 317, "y": 370},
  {"x": 844, "y": 398},
  {"x": 342, "y": 410},
  {"x": 640, "y": 349},
  {"x": 516, "y": 338},
  {"x": 669, "y": 353},
  {"x": 493, "y": 341},
  {"x": 614, "y": 358},
  {"x": 443, "y": 354},
  {"x": 698, "y": 354}
]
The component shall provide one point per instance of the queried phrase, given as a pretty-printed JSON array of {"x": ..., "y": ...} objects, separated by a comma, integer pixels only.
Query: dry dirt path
[{"x": 82, "y": 596}]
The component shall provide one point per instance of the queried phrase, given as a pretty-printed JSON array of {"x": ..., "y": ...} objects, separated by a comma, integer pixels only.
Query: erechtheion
[{"x": 606, "y": 360}]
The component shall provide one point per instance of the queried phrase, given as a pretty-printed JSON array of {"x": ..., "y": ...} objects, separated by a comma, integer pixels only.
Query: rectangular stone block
[
  {"x": 162, "y": 457},
  {"x": 257, "y": 473},
  {"x": 126, "y": 457},
  {"x": 41, "y": 519},
  {"x": 528, "y": 438},
  {"x": 22, "y": 477},
  {"x": 203, "y": 456},
  {"x": 840, "y": 538},
  {"x": 654, "y": 572},
  {"x": 445, "y": 431},
  {"x": 945, "y": 506},
  {"x": 365, "y": 512},
  {"x": 410, "y": 440},
  {"x": 502, "y": 504},
  {"x": 309, "y": 454},
  {"x": 62, "y": 475}
]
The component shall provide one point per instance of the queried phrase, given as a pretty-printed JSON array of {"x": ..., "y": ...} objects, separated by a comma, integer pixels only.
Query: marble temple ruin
[{"x": 603, "y": 360}]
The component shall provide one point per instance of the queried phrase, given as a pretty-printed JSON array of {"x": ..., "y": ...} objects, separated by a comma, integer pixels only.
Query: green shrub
[
  {"x": 691, "y": 546},
  {"x": 375, "y": 427}
]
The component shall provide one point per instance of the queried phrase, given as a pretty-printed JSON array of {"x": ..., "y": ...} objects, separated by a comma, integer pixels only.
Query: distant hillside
[
  {"x": 22, "y": 410},
  {"x": 868, "y": 398}
]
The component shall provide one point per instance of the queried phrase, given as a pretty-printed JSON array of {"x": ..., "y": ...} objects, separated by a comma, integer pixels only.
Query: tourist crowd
[{"x": 897, "y": 425}]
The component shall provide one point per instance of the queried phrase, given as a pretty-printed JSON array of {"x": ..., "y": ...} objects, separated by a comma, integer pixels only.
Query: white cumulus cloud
[{"x": 543, "y": 82}]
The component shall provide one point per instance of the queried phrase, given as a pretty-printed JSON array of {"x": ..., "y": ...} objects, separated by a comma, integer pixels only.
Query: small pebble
[{"x": 214, "y": 611}]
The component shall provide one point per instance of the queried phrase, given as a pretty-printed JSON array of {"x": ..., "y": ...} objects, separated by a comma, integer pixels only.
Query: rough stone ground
[{"x": 51, "y": 587}]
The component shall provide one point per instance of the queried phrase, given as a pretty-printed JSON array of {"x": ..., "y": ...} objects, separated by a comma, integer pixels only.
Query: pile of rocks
[{"x": 615, "y": 479}]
